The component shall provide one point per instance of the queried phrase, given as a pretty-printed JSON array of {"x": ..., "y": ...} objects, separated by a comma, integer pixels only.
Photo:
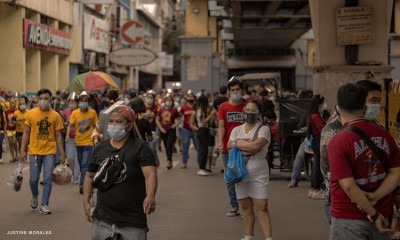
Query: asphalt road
[{"x": 189, "y": 207}]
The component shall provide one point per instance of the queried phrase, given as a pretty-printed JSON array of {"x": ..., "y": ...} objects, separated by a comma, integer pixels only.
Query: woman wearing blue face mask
[{"x": 121, "y": 210}]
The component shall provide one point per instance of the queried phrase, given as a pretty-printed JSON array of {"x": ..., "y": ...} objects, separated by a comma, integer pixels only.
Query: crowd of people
[{"x": 356, "y": 176}]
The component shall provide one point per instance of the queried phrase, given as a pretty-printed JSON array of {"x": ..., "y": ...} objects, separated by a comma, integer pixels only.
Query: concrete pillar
[
  {"x": 63, "y": 65},
  {"x": 196, "y": 63},
  {"x": 33, "y": 61},
  {"x": 50, "y": 67},
  {"x": 12, "y": 62},
  {"x": 330, "y": 70}
]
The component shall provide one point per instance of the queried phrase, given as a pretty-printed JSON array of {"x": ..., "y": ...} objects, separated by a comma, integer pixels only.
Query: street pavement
[{"x": 189, "y": 207}]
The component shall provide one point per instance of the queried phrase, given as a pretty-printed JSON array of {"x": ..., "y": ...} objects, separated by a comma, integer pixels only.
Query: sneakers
[
  {"x": 233, "y": 213},
  {"x": 310, "y": 193},
  {"x": 247, "y": 237},
  {"x": 1, "y": 160},
  {"x": 292, "y": 184},
  {"x": 203, "y": 172},
  {"x": 34, "y": 202},
  {"x": 45, "y": 210},
  {"x": 318, "y": 195}
]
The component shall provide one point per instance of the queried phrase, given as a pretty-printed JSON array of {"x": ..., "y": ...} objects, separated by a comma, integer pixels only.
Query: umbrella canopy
[{"x": 92, "y": 81}]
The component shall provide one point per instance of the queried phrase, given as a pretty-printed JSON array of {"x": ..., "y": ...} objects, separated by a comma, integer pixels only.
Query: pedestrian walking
[
  {"x": 363, "y": 174},
  {"x": 43, "y": 133},
  {"x": 253, "y": 139},
  {"x": 121, "y": 210},
  {"x": 2, "y": 132},
  {"x": 11, "y": 123},
  {"x": 84, "y": 120},
  {"x": 20, "y": 117}
]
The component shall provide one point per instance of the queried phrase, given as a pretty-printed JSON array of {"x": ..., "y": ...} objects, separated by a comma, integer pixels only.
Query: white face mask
[
  {"x": 44, "y": 104},
  {"x": 116, "y": 132},
  {"x": 372, "y": 111}
]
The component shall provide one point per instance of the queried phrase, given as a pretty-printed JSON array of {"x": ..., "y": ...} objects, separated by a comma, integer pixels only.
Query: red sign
[
  {"x": 132, "y": 32},
  {"x": 46, "y": 38}
]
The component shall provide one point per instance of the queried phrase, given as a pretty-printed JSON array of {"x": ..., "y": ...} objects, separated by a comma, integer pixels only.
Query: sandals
[{"x": 232, "y": 213}]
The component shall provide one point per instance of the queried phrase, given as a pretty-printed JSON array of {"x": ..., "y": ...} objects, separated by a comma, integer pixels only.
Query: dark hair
[
  {"x": 270, "y": 114},
  {"x": 351, "y": 97},
  {"x": 43, "y": 91},
  {"x": 314, "y": 108},
  {"x": 223, "y": 89},
  {"x": 370, "y": 85},
  {"x": 233, "y": 82},
  {"x": 112, "y": 95},
  {"x": 202, "y": 104},
  {"x": 24, "y": 97},
  {"x": 138, "y": 106}
]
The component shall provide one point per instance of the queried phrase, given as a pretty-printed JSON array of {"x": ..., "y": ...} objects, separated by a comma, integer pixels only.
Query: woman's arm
[
  {"x": 252, "y": 147},
  {"x": 192, "y": 122}
]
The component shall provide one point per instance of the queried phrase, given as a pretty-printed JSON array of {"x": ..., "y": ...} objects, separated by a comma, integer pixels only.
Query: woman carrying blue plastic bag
[{"x": 252, "y": 139}]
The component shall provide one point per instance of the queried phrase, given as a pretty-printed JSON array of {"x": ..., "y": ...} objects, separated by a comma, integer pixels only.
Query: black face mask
[{"x": 250, "y": 117}]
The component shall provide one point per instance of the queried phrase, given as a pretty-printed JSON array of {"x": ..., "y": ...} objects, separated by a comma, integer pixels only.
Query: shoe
[
  {"x": 183, "y": 166},
  {"x": 81, "y": 189},
  {"x": 209, "y": 171},
  {"x": 169, "y": 166},
  {"x": 45, "y": 210},
  {"x": 292, "y": 184},
  {"x": 310, "y": 193},
  {"x": 1, "y": 160},
  {"x": 247, "y": 237},
  {"x": 318, "y": 195},
  {"x": 202, "y": 172},
  {"x": 232, "y": 213},
  {"x": 34, "y": 202}
]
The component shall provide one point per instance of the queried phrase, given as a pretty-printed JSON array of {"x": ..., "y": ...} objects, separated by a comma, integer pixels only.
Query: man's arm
[
  {"x": 149, "y": 203},
  {"x": 221, "y": 134},
  {"x": 60, "y": 145},
  {"x": 356, "y": 195},
  {"x": 87, "y": 190},
  {"x": 387, "y": 186}
]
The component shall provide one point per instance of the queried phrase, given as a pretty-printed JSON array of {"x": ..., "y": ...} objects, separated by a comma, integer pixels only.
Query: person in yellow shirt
[
  {"x": 84, "y": 119},
  {"x": 20, "y": 117},
  {"x": 43, "y": 133}
]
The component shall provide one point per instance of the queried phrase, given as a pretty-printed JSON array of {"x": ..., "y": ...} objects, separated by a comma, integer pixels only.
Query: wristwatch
[{"x": 372, "y": 218}]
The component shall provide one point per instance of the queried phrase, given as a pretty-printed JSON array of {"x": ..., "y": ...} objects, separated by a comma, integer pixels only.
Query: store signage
[
  {"x": 132, "y": 56},
  {"x": 132, "y": 32},
  {"x": 96, "y": 34},
  {"x": 46, "y": 38},
  {"x": 354, "y": 25}
]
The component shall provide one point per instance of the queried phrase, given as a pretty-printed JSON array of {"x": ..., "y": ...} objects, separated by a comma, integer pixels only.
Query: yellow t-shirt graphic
[
  {"x": 42, "y": 140},
  {"x": 84, "y": 125}
]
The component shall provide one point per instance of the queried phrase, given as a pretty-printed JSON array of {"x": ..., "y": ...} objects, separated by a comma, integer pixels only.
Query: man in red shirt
[
  {"x": 361, "y": 184},
  {"x": 230, "y": 115}
]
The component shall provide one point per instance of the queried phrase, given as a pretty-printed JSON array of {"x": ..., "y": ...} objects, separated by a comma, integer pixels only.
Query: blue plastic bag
[{"x": 236, "y": 170}]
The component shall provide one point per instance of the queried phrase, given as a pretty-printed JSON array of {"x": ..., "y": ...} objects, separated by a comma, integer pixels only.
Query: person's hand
[
  {"x": 22, "y": 155},
  {"x": 62, "y": 158},
  {"x": 382, "y": 225},
  {"x": 95, "y": 136},
  {"x": 373, "y": 199},
  {"x": 88, "y": 215},
  {"x": 67, "y": 138},
  {"x": 149, "y": 205},
  {"x": 220, "y": 148},
  {"x": 163, "y": 130}
]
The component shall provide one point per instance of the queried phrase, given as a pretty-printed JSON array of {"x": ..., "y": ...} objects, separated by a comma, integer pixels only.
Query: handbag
[{"x": 110, "y": 170}]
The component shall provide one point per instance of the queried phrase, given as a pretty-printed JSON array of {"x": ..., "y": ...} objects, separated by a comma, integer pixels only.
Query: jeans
[
  {"x": 204, "y": 137},
  {"x": 186, "y": 136},
  {"x": 154, "y": 144},
  {"x": 231, "y": 186},
  {"x": 35, "y": 167},
  {"x": 169, "y": 140},
  {"x": 316, "y": 174},
  {"x": 1, "y": 144},
  {"x": 84, "y": 153},
  {"x": 72, "y": 157},
  {"x": 347, "y": 229},
  {"x": 298, "y": 163},
  {"x": 102, "y": 230}
]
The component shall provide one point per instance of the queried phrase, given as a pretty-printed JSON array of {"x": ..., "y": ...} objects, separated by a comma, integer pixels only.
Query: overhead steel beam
[
  {"x": 269, "y": 10},
  {"x": 294, "y": 20}
]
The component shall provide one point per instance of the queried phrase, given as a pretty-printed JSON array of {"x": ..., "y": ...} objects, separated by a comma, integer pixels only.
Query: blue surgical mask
[
  {"x": 22, "y": 107},
  {"x": 372, "y": 111},
  {"x": 236, "y": 97},
  {"x": 83, "y": 105},
  {"x": 168, "y": 103},
  {"x": 116, "y": 132},
  {"x": 149, "y": 101}
]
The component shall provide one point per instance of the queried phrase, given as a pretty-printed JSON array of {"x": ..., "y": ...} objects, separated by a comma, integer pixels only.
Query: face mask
[
  {"x": 250, "y": 117},
  {"x": 83, "y": 105},
  {"x": 73, "y": 105},
  {"x": 168, "y": 103},
  {"x": 149, "y": 101},
  {"x": 22, "y": 107},
  {"x": 116, "y": 132},
  {"x": 236, "y": 97},
  {"x": 373, "y": 111},
  {"x": 176, "y": 99},
  {"x": 44, "y": 104}
]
